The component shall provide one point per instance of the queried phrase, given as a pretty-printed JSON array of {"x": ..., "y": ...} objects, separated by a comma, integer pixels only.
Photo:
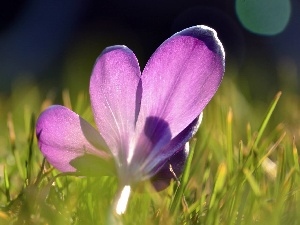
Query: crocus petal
[
  {"x": 64, "y": 136},
  {"x": 172, "y": 169},
  {"x": 115, "y": 98},
  {"x": 150, "y": 164},
  {"x": 156, "y": 159},
  {"x": 187, "y": 68}
]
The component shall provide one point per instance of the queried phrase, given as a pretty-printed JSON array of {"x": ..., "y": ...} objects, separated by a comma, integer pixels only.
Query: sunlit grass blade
[
  {"x": 219, "y": 183},
  {"x": 264, "y": 160},
  {"x": 229, "y": 142},
  {"x": 184, "y": 179},
  {"x": 6, "y": 184},
  {"x": 295, "y": 156},
  {"x": 12, "y": 140},
  {"x": 266, "y": 119},
  {"x": 31, "y": 136},
  {"x": 198, "y": 205},
  {"x": 253, "y": 183},
  {"x": 241, "y": 153},
  {"x": 249, "y": 134},
  {"x": 66, "y": 98}
]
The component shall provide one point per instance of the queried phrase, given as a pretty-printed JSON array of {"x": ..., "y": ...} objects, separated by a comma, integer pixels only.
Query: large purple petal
[
  {"x": 178, "y": 81},
  {"x": 115, "y": 98},
  {"x": 64, "y": 136}
]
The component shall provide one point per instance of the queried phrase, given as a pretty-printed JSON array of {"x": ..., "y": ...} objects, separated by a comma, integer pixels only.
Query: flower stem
[
  {"x": 120, "y": 205},
  {"x": 122, "y": 200}
]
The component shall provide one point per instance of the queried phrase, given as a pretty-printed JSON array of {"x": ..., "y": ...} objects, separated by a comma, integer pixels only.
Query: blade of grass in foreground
[
  {"x": 220, "y": 183},
  {"x": 253, "y": 183},
  {"x": 229, "y": 142},
  {"x": 12, "y": 140},
  {"x": 266, "y": 119},
  {"x": 184, "y": 179},
  {"x": 29, "y": 166},
  {"x": 296, "y": 156},
  {"x": 6, "y": 184}
]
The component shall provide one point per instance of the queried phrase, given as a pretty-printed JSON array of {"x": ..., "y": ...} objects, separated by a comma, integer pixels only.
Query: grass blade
[
  {"x": 229, "y": 142},
  {"x": 219, "y": 183},
  {"x": 6, "y": 184},
  {"x": 184, "y": 180},
  {"x": 253, "y": 183},
  {"x": 267, "y": 118}
]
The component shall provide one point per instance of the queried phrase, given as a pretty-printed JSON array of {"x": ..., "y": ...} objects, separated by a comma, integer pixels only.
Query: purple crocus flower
[{"x": 144, "y": 120}]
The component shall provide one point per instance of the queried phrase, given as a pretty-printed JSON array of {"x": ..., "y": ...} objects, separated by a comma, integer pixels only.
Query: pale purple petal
[
  {"x": 178, "y": 81},
  {"x": 149, "y": 165},
  {"x": 172, "y": 169},
  {"x": 115, "y": 98},
  {"x": 64, "y": 136},
  {"x": 157, "y": 158}
]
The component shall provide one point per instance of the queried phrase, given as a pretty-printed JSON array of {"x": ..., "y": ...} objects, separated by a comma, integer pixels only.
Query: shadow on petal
[
  {"x": 139, "y": 93},
  {"x": 157, "y": 131},
  {"x": 95, "y": 139},
  {"x": 172, "y": 147},
  {"x": 155, "y": 135}
]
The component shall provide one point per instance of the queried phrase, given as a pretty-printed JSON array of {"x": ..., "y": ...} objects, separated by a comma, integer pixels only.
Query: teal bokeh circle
[{"x": 265, "y": 17}]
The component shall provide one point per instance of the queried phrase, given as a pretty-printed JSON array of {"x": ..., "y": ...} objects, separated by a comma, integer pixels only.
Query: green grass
[{"x": 243, "y": 167}]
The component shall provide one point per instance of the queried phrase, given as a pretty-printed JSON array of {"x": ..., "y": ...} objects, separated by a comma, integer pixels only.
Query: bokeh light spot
[{"x": 265, "y": 17}]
